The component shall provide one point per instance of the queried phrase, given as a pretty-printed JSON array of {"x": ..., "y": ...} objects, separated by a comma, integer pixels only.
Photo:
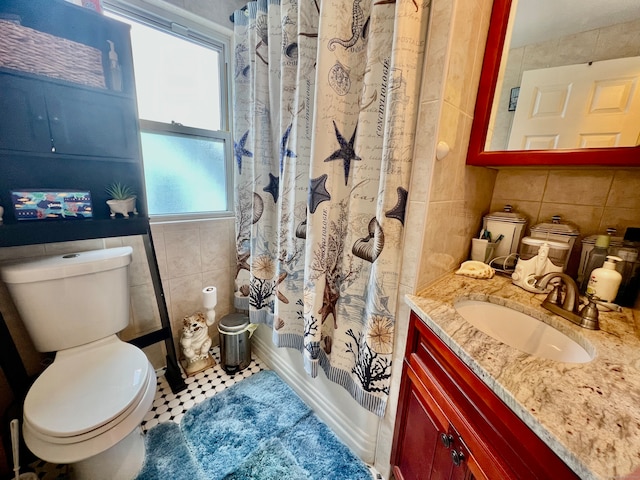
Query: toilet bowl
[
  {"x": 86, "y": 408},
  {"x": 89, "y": 399}
]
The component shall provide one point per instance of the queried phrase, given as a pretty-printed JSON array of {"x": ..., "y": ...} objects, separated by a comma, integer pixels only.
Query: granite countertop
[{"x": 588, "y": 413}]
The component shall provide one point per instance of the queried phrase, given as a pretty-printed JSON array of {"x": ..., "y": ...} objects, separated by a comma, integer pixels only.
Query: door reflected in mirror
[
  {"x": 578, "y": 77},
  {"x": 560, "y": 84}
]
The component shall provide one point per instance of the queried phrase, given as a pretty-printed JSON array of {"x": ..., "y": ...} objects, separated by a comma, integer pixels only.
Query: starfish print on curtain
[
  {"x": 240, "y": 151},
  {"x": 273, "y": 187},
  {"x": 318, "y": 192},
  {"x": 284, "y": 151},
  {"x": 346, "y": 151}
]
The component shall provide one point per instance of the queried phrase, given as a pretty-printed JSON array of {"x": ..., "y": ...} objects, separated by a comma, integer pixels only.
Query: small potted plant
[{"x": 123, "y": 199}]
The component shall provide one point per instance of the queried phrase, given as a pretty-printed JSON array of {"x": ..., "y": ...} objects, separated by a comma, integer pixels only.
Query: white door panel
[{"x": 579, "y": 106}]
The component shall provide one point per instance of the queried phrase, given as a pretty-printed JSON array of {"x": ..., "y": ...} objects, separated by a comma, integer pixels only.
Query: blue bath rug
[
  {"x": 167, "y": 455},
  {"x": 258, "y": 429}
]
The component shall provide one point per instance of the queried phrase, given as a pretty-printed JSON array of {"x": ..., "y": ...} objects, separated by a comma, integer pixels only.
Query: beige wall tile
[
  {"x": 232, "y": 237},
  {"x": 23, "y": 251},
  {"x": 482, "y": 12},
  {"x": 113, "y": 242},
  {"x": 146, "y": 317},
  {"x": 586, "y": 187},
  {"x": 586, "y": 217},
  {"x": 440, "y": 240},
  {"x": 519, "y": 184},
  {"x": 216, "y": 250},
  {"x": 424, "y": 151},
  {"x": 160, "y": 249},
  {"x": 413, "y": 233},
  {"x": 478, "y": 190},
  {"x": 437, "y": 51},
  {"x": 448, "y": 173},
  {"x": 625, "y": 190},
  {"x": 182, "y": 245},
  {"x": 462, "y": 52},
  {"x": 139, "y": 267},
  {"x": 620, "y": 219},
  {"x": 60, "y": 248}
]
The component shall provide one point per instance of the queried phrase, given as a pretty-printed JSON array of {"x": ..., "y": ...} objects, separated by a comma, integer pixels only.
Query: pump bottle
[{"x": 605, "y": 281}]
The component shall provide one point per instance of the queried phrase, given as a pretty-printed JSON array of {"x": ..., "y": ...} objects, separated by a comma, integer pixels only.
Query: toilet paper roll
[{"x": 209, "y": 297}]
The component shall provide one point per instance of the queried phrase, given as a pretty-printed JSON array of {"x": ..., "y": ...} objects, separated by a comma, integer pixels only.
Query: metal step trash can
[{"x": 235, "y": 342}]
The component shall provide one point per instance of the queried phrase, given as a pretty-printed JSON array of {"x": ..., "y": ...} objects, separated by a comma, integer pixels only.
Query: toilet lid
[{"x": 83, "y": 391}]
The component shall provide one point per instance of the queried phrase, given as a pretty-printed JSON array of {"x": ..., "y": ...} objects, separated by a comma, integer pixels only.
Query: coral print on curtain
[{"x": 325, "y": 103}]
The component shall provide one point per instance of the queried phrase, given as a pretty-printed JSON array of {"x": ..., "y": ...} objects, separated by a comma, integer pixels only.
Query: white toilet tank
[{"x": 71, "y": 299}]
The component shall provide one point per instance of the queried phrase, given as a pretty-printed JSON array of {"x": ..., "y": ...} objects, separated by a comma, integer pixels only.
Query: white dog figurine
[{"x": 196, "y": 342}]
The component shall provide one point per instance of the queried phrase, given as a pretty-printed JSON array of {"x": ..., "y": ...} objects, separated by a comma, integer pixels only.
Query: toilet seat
[{"x": 67, "y": 404}]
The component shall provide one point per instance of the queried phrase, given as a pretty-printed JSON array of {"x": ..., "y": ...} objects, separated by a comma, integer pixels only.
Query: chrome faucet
[{"x": 565, "y": 303}]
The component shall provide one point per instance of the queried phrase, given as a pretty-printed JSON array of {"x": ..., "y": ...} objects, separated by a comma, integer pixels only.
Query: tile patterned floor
[{"x": 170, "y": 407}]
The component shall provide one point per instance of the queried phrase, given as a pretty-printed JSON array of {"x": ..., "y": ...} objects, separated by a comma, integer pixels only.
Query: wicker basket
[{"x": 28, "y": 50}]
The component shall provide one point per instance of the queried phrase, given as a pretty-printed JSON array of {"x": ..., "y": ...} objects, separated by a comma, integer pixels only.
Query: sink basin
[{"x": 521, "y": 331}]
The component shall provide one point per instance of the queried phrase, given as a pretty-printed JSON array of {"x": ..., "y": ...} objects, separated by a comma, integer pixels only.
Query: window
[{"x": 182, "y": 97}]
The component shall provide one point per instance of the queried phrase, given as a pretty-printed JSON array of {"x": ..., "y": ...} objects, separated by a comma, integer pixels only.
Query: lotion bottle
[{"x": 605, "y": 281}]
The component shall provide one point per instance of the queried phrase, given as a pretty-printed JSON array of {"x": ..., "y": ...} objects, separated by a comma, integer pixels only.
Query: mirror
[{"x": 494, "y": 93}]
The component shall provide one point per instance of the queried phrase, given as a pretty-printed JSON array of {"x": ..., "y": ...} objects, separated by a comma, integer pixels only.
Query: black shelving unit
[{"x": 63, "y": 134}]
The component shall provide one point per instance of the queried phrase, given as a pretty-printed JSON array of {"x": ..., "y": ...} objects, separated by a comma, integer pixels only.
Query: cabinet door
[
  {"x": 422, "y": 449},
  {"x": 23, "y": 123},
  {"x": 92, "y": 123},
  {"x": 421, "y": 454}
]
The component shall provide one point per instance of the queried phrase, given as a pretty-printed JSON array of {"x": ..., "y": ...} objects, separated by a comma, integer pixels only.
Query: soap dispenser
[{"x": 605, "y": 281}]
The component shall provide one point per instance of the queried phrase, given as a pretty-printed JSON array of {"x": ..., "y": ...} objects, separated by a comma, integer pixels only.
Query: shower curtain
[{"x": 325, "y": 98}]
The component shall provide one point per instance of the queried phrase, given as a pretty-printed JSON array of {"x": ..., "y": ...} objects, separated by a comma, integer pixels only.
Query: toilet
[{"x": 86, "y": 408}]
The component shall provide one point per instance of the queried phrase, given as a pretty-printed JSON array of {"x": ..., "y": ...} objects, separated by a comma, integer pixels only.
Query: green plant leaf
[{"x": 119, "y": 191}]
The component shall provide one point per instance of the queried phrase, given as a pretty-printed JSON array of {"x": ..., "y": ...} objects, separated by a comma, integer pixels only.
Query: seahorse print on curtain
[{"x": 357, "y": 26}]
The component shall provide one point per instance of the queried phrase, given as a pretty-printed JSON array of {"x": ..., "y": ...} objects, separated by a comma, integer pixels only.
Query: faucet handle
[
  {"x": 589, "y": 314},
  {"x": 555, "y": 296}
]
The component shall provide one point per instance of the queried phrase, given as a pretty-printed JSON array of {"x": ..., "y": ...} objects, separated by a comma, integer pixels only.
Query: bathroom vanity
[{"x": 473, "y": 407}]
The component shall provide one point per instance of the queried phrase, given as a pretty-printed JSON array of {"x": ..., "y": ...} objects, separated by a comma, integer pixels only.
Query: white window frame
[{"x": 185, "y": 24}]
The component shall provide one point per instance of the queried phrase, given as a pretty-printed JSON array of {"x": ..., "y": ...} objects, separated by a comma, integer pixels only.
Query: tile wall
[
  {"x": 593, "y": 199},
  {"x": 191, "y": 256}
]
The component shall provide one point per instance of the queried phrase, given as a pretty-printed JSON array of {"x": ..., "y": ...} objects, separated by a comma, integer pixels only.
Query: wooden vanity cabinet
[{"x": 450, "y": 425}]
